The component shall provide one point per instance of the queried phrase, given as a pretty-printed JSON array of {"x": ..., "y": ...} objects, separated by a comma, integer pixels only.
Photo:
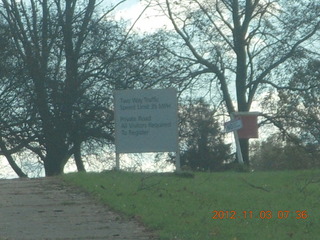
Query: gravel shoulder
[{"x": 46, "y": 208}]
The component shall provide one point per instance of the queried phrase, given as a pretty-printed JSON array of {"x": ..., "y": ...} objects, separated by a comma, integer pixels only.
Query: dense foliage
[
  {"x": 282, "y": 153},
  {"x": 202, "y": 141}
]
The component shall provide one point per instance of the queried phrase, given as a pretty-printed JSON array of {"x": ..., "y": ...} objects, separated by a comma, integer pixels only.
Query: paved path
[{"x": 46, "y": 208}]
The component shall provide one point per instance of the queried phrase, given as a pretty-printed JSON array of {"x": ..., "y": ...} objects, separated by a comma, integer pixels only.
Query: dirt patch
[{"x": 46, "y": 208}]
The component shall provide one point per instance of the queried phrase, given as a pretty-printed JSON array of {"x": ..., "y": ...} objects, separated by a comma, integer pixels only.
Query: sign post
[
  {"x": 146, "y": 120},
  {"x": 236, "y": 138},
  {"x": 117, "y": 161}
]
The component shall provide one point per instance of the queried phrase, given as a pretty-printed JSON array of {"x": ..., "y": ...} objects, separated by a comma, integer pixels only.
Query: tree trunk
[
  {"x": 11, "y": 161},
  {"x": 239, "y": 37},
  {"x": 54, "y": 164},
  {"x": 53, "y": 167},
  {"x": 56, "y": 158},
  {"x": 77, "y": 156}
]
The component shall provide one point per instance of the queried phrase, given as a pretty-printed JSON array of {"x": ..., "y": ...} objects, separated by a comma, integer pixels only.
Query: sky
[{"x": 149, "y": 21}]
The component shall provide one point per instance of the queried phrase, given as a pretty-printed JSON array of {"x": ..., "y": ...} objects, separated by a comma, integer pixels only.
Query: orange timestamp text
[{"x": 299, "y": 214}]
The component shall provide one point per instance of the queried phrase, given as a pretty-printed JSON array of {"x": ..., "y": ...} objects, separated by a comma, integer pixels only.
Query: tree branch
[{"x": 260, "y": 78}]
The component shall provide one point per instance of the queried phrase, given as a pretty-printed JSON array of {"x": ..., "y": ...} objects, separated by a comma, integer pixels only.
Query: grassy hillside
[{"x": 258, "y": 205}]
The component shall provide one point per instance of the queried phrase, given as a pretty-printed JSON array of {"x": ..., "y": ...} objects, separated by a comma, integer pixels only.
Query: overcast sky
[{"x": 150, "y": 20}]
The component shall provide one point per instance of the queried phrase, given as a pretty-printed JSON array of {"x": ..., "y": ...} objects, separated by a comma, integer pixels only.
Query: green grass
[{"x": 182, "y": 208}]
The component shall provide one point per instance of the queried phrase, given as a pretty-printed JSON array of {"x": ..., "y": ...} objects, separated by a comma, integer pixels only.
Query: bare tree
[
  {"x": 242, "y": 45},
  {"x": 12, "y": 99},
  {"x": 49, "y": 36}
]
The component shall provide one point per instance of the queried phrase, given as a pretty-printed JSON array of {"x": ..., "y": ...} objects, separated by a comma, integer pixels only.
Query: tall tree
[
  {"x": 12, "y": 101},
  {"x": 241, "y": 44},
  {"x": 43, "y": 31}
]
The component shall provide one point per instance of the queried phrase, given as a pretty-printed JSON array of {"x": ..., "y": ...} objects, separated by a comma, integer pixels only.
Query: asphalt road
[{"x": 46, "y": 208}]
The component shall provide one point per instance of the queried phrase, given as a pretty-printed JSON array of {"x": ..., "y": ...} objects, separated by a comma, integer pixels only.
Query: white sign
[
  {"x": 233, "y": 125},
  {"x": 146, "y": 120}
]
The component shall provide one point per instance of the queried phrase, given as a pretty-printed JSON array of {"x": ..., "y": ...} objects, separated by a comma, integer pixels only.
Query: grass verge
[{"x": 258, "y": 205}]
